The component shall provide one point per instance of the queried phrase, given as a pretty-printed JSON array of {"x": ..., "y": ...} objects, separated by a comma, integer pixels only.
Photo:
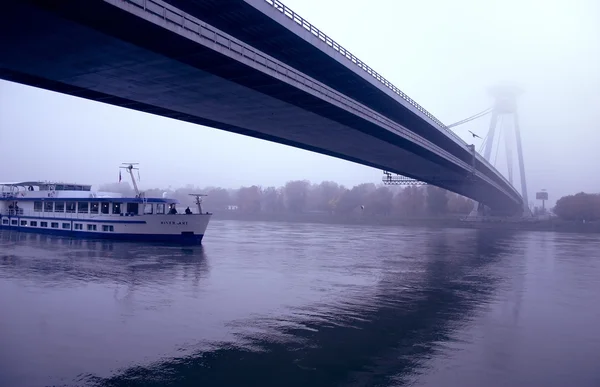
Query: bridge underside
[{"x": 100, "y": 52}]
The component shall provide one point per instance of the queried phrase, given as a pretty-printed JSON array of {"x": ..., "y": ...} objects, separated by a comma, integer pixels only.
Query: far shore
[{"x": 555, "y": 225}]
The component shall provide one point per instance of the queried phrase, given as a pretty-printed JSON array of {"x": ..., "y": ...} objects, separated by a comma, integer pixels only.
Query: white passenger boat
[{"x": 75, "y": 210}]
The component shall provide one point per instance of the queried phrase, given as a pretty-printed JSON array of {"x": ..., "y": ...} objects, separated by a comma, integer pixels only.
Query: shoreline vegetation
[
  {"x": 555, "y": 224},
  {"x": 370, "y": 204}
]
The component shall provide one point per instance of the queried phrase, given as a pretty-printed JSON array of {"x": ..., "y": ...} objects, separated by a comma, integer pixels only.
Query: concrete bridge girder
[{"x": 142, "y": 75}]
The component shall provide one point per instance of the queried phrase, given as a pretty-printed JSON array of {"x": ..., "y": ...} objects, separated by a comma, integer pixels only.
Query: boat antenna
[
  {"x": 198, "y": 201},
  {"x": 129, "y": 167}
]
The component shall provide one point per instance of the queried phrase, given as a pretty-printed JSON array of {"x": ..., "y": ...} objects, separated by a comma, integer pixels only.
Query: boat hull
[
  {"x": 183, "y": 239},
  {"x": 179, "y": 229}
]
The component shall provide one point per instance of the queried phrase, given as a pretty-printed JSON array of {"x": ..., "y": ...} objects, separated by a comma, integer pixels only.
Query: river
[{"x": 278, "y": 304}]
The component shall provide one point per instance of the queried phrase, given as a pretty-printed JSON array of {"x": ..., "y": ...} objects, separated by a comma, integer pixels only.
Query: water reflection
[
  {"x": 422, "y": 295},
  {"x": 52, "y": 260},
  {"x": 282, "y": 305}
]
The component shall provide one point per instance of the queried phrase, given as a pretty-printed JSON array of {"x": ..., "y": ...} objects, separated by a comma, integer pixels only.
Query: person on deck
[{"x": 188, "y": 211}]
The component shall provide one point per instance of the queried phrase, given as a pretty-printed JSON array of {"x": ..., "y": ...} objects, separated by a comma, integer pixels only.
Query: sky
[{"x": 444, "y": 54}]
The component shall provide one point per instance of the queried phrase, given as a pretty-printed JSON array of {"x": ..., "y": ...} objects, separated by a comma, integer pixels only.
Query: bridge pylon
[{"x": 504, "y": 122}]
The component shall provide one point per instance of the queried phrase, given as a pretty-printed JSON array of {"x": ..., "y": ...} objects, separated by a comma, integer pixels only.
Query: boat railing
[
  {"x": 13, "y": 212},
  {"x": 78, "y": 215},
  {"x": 193, "y": 213},
  {"x": 59, "y": 215}
]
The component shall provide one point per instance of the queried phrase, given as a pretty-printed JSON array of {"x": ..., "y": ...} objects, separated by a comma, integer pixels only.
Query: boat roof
[
  {"x": 41, "y": 183},
  {"x": 96, "y": 199}
]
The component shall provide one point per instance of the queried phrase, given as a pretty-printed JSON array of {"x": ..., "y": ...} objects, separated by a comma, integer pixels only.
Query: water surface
[{"x": 275, "y": 304}]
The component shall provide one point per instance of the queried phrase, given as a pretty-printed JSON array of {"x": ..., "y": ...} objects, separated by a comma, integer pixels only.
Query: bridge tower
[{"x": 505, "y": 121}]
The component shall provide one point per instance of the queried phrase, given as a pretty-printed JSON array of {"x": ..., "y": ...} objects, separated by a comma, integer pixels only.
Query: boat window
[
  {"x": 4, "y": 221},
  {"x": 82, "y": 207},
  {"x": 94, "y": 208},
  {"x": 33, "y": 223},
  {"x": 108, "y": 228},
  {"x": 148, "y": 208},
  {"x": 116, "y": 208},
  {"x": 71, "y": 207},
  {"x": 59, "y": 188},
  {"x": 14, "y": 222},
  {"x": 59, "y": 206},
  {"x": 91, "y": 227},
  {"x": 74, "y": 188},
  {"x": 104, "y": 208},
  {"x": 43, "y": 224},
  {"x": 38, "y": 206},
  {"x": 78, "y": 226},
  {"x": 133, "y": 208},
  {"x": 66, "y": 226},
  {"x": 23, "y": 223},
  {"x": 54, "y": 224},
  {"x": 160, "y": 208},
  {"x": 48, "y": 206}
]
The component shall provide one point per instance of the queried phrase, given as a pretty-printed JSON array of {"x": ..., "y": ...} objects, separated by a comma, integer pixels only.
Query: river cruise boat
[{"x": 74, "y": 210}]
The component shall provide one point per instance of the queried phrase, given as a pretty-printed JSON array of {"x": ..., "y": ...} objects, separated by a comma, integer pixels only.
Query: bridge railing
[{"x": 278, "y": 5}]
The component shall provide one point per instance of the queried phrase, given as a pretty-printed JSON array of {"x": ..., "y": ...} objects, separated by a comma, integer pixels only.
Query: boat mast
[
  {"x": 198, "y": 201},
  {"x": 130, "y": 167}
]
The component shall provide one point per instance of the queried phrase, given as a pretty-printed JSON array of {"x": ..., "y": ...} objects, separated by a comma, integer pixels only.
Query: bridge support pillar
[{"x": 505, "y": 113}]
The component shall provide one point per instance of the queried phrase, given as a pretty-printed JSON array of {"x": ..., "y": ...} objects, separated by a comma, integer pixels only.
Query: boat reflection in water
[{"x": 60, "y": 259}]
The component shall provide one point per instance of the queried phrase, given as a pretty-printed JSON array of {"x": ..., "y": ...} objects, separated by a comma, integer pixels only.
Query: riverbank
[{"x": 555, "y": 225}]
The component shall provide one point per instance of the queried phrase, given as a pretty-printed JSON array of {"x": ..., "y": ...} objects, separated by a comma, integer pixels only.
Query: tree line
[
  {"x": 301, "y": 196},
  {"x": 579, "y": 207}
]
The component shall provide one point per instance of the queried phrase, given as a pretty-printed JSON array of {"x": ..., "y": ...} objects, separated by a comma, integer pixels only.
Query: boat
[{"x": 74, "y": 210}]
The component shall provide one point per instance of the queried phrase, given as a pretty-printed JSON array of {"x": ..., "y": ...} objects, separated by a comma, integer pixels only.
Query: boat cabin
[{"x": 43, "y": 198}]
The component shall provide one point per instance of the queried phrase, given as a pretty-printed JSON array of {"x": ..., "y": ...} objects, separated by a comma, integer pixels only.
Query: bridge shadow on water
[{"x": 380, "y": 340}]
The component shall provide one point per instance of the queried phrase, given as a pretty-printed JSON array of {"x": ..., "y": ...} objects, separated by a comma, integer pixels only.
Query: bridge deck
[
  {"x": 142, "y": 64},
  {"x": 276, "y": 30}
]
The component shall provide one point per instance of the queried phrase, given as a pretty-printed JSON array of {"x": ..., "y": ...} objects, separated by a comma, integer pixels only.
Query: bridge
[{"x": 252, "y": 67}]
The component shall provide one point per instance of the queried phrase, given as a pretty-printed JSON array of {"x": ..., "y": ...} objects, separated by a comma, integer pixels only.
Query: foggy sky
[{"x": 444, "y": 54}]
